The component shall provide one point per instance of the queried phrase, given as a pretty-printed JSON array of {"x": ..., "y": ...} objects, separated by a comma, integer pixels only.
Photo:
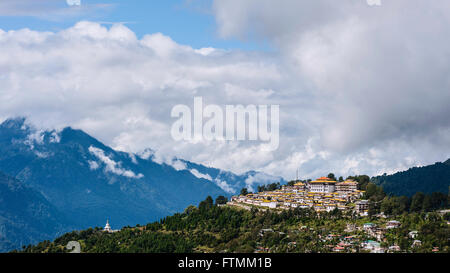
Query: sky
[
  {"x": 187, "y": 22},
  {"x": 362, "y": 89}
]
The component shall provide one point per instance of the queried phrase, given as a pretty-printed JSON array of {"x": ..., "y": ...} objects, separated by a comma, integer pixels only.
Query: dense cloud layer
[
  {"x": 361, "y": 89},
  {"x": 379, "y": 74}
]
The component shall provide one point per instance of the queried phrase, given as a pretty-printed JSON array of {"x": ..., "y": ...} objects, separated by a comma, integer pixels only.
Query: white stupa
[{"x": 107, "y": 227}]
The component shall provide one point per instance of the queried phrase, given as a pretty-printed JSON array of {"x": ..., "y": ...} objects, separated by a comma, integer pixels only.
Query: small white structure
[
  {"x": 265, "y": 230},
  {"x": 394, "y": 248},
  {"x": 271, "y": 205},
  {"x": 108, "y": 228},
  {"x": 416, "y": 243},
  {"x": 369, "y": 226},
  {"x": 393, "y": 224},
  {"x": 373, "y": 246},
  {"x": 413, "y": 234}
]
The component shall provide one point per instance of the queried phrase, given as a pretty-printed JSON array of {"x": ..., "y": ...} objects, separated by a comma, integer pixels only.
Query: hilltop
[
  {"x": 221, "y": 229},
  {"x": 426, "y": 179}
]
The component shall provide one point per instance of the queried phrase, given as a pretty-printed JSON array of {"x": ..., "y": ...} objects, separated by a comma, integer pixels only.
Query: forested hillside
[
  {"x": 427, "y": 179},
  {"x": 218, "y": 229},
  {"x": 26, "y": 216}
]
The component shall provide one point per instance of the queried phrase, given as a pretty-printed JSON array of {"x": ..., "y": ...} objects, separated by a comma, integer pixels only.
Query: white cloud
[
  {"x": 220, "y": 183},
  {"x": 361, "y": 90},
  {"x": 261, "y": 179},
  {"x": 110, "y": 165},
  {"x": 377, "y": 75},
  {"x": 93, "y": 165},
  {"x": 42, "y": 154},
  {"x": 35, "y": 137},
  {"x": 146, "y": 153},
  {"x": 224, "y": 186},
  {"x": 179, "y": 165},
  {"x": 206, "y": 51},
  {"x": 133, "y": 158},
  {"x": 198, "y": 174},
  {"x": 55, "y": 136}
]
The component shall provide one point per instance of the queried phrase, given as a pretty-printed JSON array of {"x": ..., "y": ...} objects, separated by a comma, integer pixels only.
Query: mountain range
[
  {"x": 55, "y": 181},
  {"x": 26, "y": 216},
  {"x": 79, "y": 182}
]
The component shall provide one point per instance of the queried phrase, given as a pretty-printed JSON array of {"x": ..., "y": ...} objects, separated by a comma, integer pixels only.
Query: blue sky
[{"x": 187, "y": 22}]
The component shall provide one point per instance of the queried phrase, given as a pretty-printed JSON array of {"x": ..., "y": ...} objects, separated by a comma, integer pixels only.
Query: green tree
[
  {"x": 417, "y": 202},
  {"x": 261, "y": 188},
  {"x": 331, "y": 176},
  {"x": 273, "y": 186},
  {"x": 363, "y": 181},
  {"x": 291, "y": 183},
  {"x": 427, "y": 204},
  {"x": 401, "y": 205},
  {"x": 206, "y": 204},
  {"x": 374, "y": 192},
  {"x": 447, "y": 216},
  {"x": 244, "y": 191},
  {"x": 439, "y": 200},
  {"x": 387, "y": 206},
  {"x": 190, "y": 209},
  {"x": 448, "y": 195},
  {"x": 221, "y": 200}
]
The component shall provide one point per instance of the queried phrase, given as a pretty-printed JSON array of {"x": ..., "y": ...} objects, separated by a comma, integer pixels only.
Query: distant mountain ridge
[
  {"x": 26, "y": 216},
  {"x": 426, "y": 179},
  {"x": 89, "y": 182}
]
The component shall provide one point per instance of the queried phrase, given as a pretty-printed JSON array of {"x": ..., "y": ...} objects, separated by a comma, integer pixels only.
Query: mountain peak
[
  {"x": 14, "y": 123},
  {"x": 69, "y": 134},
  {"x": 14, "y": 128}
]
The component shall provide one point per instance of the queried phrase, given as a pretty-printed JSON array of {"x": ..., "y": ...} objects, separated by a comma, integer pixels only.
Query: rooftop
[{"x": 323, "y": 179}]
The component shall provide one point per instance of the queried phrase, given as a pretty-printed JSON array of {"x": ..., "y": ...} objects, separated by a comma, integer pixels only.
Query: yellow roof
[
  {"x": 349, "y": 181},
  {"x": 323, "y": 182}
]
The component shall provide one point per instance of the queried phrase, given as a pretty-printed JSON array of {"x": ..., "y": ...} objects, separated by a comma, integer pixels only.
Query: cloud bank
[
  {"x": 360, "y": 89},
  {"x": 110, "y": 165}
]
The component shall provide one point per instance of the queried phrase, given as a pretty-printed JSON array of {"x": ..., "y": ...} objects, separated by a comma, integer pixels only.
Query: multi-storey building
[
  {"x": 362, "y": 207},
  {"x": 319, "y": 194},
  {"x": 322, "y": 185},
  {"x": 300, "y": 186},
  {"x": 347, "y": 186}
]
